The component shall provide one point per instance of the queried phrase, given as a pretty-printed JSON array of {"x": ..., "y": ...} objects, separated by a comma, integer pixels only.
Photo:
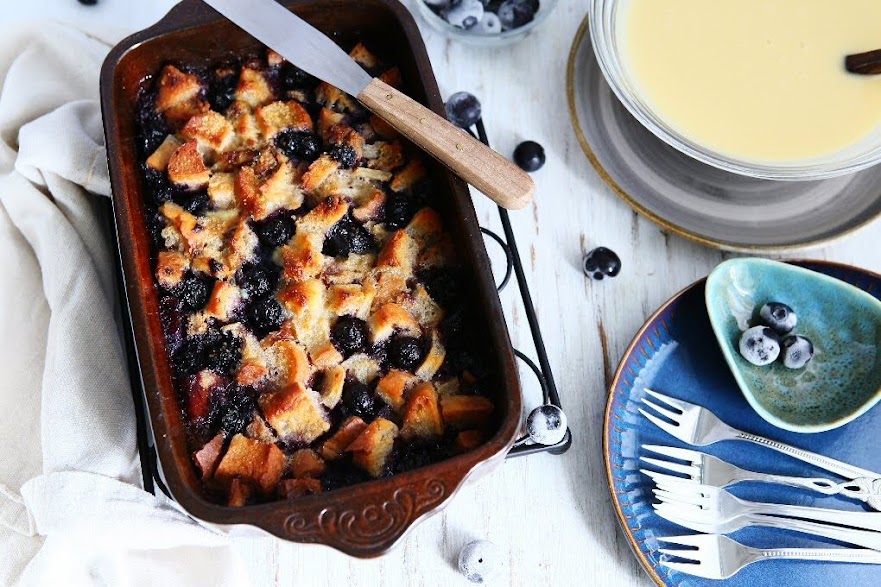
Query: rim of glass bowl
[
  {"x": 439, "y": 24},
  {"x": 603, "y": 40}
]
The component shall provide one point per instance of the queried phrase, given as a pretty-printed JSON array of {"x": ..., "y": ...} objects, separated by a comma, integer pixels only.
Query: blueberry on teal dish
[{"x": 841, "y": 328}]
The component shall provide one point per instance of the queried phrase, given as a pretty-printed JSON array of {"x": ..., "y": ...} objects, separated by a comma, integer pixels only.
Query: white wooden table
[{"x": 551, "y": 514}]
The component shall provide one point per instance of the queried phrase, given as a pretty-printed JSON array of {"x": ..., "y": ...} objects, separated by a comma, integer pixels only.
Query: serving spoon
[{"x": 868, "y": 63}]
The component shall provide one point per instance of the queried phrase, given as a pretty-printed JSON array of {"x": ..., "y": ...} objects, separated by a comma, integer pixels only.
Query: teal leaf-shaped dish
[{"x": 843, "y": 380}]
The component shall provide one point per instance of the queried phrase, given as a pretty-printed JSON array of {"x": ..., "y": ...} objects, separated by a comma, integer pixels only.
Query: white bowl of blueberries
[{"x": 485, "y": 22}]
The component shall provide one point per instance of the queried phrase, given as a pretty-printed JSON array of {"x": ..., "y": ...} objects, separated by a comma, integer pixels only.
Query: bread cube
[
  {"x": 335, "y": 446},
  {"x": 253, "y": 89},
  {"x": 251, "y": 460},
  {"x": 332, "y": 386},
  {"x": 399, "y": 254},
  {"x": 211, "y": 131},
  {"x": 390, "y": 318},
  {"x": 208, "y": 456},
  {"x": 392, "y": 386},
  {"x": 278, "y": 116},
  {"x": 292, "y": 488},
  {"x": 422, "y": 417},
  {"x": 371, "y": 449},
  {"x": 239, "y": 493},
  {"x": 295, "y": 413},
  {"x": 319, "y": 170},
  {"x": 162, "y": 155},
  {"x": 433, "y": 360},
  {"x": 186, "y": 167},
  {"x": 466, "y": 411},
  {"x": 170, "y": 268},
  {"x": 306, "y": 463}
]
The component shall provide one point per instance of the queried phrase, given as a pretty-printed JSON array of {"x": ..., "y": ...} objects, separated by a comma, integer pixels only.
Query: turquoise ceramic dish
[{"x": 843, "y": 380}]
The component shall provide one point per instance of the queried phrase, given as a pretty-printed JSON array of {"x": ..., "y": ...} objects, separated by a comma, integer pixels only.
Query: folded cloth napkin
[{"x": 72, "y": 507}]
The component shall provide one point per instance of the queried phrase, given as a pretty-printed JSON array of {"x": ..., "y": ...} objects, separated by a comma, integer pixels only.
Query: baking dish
[{"x": 366, "y": 519}]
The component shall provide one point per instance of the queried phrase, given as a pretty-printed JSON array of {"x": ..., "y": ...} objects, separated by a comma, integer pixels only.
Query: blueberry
[
  {"x": 233, "y": 410},
  {"x": 291, "y": 77},
  {"x": 778, "y": 316},
  {"x": 516, "y": 13},
  {"x": 276, "y": 230},
  {"x": 190, "y": 359},
  {"x": 194, "y": 202},
  {"x": 442, "y": 283},
  {"x": 266, "y": 315},
  {"x": 224, "y": 354},
  {"x": 530, "y": 156},
  {"x": 797, "y": 351},
  {"x": 222, "y": 91},
  {"x": 296, "y": 144},
  {"x": 601, "y": 263},
  {"x": 546, "y": 425},
  {"x": 152, "y": 126},
  {"x": 463, "y": 109},
  {"x": 349, "y": 335},
  {"x": 193, "y": 292},
  {"x": 760, "y": 345},
  {"x": 158, "y": 186},
  {"x": 489, "y": 24},
  {"x": 481, "y": 561},
  {"x": 88, "y": 2},
  {"x": 465, "y": 14},
  {"x": 347, "y": 237},
  {"x": 399, "y": 210},
  {"x": 344, "y": 154},
  {"x": 405, "y": 352},
  {"x": 359, "y": 400},
  {"x": 257, "y": 280}
]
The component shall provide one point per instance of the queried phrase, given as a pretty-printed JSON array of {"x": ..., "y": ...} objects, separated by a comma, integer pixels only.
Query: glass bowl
[
  {"x": 604, "y": 38},
  {"x": 481, "y": 40}
]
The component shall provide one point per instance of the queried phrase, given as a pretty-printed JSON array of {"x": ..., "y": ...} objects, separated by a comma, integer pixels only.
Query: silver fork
[
  {"x": 698, "y": 426},
  {"x": 705, "y": 502},
  {"x": 719, "y": 557}
]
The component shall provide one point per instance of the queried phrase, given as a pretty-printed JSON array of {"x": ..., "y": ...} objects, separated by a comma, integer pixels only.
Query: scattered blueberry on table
[
  {"x": 88, "y": 2},
  {"x": 778, "y": 316},
  {"x": 480, "y": 561},
  {"x": 797, "y": 351},
  {"x": 486, "y": 17},
  {"x": 463, "y": 109},
  {"x": 547, "y": 425},
  {"x": 601, "y": 263},
  {"x": 760, "y": 345},
  {"x": 530, "y": 156}
]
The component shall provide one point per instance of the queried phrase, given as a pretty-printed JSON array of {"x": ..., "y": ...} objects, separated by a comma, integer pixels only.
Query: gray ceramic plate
[{"x": 700, "y": 202}]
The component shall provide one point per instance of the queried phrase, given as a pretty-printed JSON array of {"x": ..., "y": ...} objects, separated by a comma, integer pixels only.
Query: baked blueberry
[
  {"x": 797, "y": 351},
  {"x": 463, "y": 109},
  {"x": 465, "y": 14},
  {"x": 344, "y": 154},
  {"x": 778, "y": 316},
  {"x": 291, "y": 77},
  {"x": 158, "y": 187},
  {"x": 405, "y": 352},
  {"x": 223, "y": 355},
  {"x": 152, "y": 125},
  {"x": 601, "y": 263},
  {"x": 193, "y": 292},
  {"x": 760, "y": 345},
  {"x": 297, "y": 144},
  {"x": 442, "y": 283},
  {"x": 190, "y": 359},
  {"x": 276, "y": 230},
  {"x": 359, "y": 400},
  {"x": 399, "y": 210},
  {"x": 234, "y": 410},
  {"x": 546, "y": 425},
  {"x": 481, "y": 561},
  {"x": 349, "y": 335},
  {"x": 347, "y": 237},
  {"x": 530, "y": 156},
  {"x": 193, "y": 202},
  {"x": 88, "y": 2},
  {"x": 516, "y": 13},
  {"x": 266, "y": 315},
  {"x": 222, "y": 90},
  {"x": 257, "y": 280}
]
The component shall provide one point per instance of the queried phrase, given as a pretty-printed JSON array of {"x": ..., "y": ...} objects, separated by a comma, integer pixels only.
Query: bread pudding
[{"x": 312, "y": 305}]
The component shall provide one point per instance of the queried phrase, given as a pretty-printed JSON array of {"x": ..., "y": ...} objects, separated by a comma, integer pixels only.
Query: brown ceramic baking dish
[{"x": 366, "y": 519}]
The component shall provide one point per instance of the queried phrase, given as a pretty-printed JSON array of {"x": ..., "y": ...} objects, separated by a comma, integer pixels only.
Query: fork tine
[
  {"x": 663, "y": 477},
  {"x": 682, "y": 454},
  {"x": 665, "y": 426},
  {"x": 676, "y": 403},
  {"x": 684, "y": 469},
  {"x": 662, "y": 410},
  {"x": 678, "y": 498},
  {"x": 686, "y": 554}
]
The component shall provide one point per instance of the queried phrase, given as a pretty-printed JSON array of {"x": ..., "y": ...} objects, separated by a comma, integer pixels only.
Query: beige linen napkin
[{"x": 72, "y": 507}]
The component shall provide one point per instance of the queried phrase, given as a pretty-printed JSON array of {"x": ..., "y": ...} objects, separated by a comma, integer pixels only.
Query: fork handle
[
  {"x": 864, "y": 520},
  {"x": 862, "y": 538},
  {"x": 834, "y": 555},
  {"x": 827, "y": 463},
  {"x": 818, "y": 484}
]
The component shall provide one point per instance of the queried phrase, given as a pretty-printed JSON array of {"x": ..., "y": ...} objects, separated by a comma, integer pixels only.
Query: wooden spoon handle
[{"x": 497, "y": 177}]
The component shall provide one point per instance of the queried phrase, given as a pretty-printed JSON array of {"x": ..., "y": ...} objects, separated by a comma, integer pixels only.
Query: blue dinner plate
[{"x": 676, "y": 354}]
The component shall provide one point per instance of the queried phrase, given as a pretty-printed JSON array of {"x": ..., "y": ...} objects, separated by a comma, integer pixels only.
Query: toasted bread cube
[
  {"x": 319, "y": 171},
  {"x": 425, "y": 227},
  {"x": 433, "y": 360},
  {"x": 292, "y": 488},
  {"x": 468, "y": 440},
  {"x": 222, "y": 190},
  {"x": 389, "y": 158},
  {"x": 382, "y": 128},
  {"x": 279, "y": 192},
  {"x": 325, "y": 355},
  {"x": 351, "y": 299},
  {"x": 245, "y": 125},
  {"x": 409, "y": 177},
  {"x": 295, "y": 413},
  {"x": 327, "y": 120},
  {"x": 178, "y": 96},
  {"x": 399, "y": 253},
  {"x": 363, "y": 57},
  {"x": 332, "y": 386},
  {"x": 225, "y": 298},
  {"x": 253, "y": 89},
  {"x": 322, "y": 217},
  {"x": 208, "y": 456},
  {"x": 392, "y": 386},
  {"x": 186, "y": 167},
  {"x": 362, "y": 367},
  {"x": 306, "y": 463},
  {"x": 258, "y": 429},
  {"x": 304, "y": 299},
  {"x": 422, "y": 417},
  {"x": 239, "y": 493},
  {"x": 440, "y": 254},
  {"x": 371, "y": 175},
  {"x": 210, "y": 130},
  {"x": 448, "y": 387},
  {"x": 371, "y": 449},
  {"x": 288, "y": 361},
  {"x": 251, "y": 460},
  {"x": 335, "y": 446},
  {"x": 343, "y": 134},
  {"x": 371, "y": 208},
  {"x": 301, "y": 257},
  {"x": 389, "y": 318},
  {"x": 278, "y": 116},
  {"x": 392, "y": 77},
  {"x": 420, "y": 305},
  {"x": 465, "y": 411},
  {"x": 170, "y": 268},
  {"x": 333, "y": 97},
  {"x": 391, "y": 287},
  {"x": 162, "y": 155},
  {"x": 351, "y": 269}
]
